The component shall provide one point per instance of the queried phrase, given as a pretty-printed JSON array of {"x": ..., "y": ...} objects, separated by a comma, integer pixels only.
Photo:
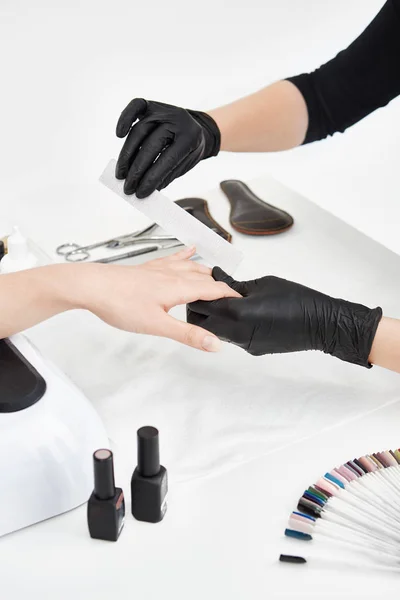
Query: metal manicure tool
[
  {"x": 73, "y": 252},
  {"x": 139, "y": 252}
]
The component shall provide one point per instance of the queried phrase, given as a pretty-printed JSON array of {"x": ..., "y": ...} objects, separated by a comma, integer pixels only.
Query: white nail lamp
[{"x": 46, "y": 449}]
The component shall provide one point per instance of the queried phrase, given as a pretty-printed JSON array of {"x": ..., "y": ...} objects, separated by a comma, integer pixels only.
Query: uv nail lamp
[{"x": 48, "y": 433}]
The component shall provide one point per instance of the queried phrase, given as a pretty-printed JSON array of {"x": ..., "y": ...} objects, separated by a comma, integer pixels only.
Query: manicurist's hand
[
  {"x": 276, "y": 316},
  {"x": 132, "y": 298},
  {"x": 162, "y": 143}
]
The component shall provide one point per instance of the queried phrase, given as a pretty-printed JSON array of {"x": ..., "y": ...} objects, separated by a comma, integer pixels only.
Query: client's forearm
[
  {"x": 385, "y": 350},
  {"x": 29, "y": 297},
  {"x": 274, "y": 118}
]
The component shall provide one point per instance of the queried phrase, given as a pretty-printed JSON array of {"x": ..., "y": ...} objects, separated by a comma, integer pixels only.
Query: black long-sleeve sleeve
[{"x": 360, "y": 79}]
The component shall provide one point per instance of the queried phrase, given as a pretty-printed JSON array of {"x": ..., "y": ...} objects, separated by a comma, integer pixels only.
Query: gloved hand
[
  {"x": 276, "y": 315},
  {"x": 166, "y": 142}
]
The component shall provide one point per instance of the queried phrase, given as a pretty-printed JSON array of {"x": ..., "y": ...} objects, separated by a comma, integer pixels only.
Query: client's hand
[
  {"x": 276, "y": 316},
  {"x": 133, "y": 298},
  {"x": 138, "y": 299}
]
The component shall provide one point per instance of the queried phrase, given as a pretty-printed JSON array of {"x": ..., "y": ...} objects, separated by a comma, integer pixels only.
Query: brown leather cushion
[{"x": 250, "y": 214}]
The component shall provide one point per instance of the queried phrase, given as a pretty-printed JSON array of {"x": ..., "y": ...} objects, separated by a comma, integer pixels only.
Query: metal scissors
[{"x": 73, "y": 252}]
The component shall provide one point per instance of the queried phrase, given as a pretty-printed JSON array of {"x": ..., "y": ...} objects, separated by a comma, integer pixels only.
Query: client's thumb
[{"x": 190, "y": 335}]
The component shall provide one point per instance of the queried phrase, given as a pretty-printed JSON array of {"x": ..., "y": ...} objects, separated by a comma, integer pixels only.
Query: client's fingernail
[{"x": 211, "y": 343}]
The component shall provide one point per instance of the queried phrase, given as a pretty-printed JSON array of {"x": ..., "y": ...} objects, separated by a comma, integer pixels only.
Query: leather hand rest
[
  {"x": 251, "y": 215},
  {"x": 198, "y": 208}
]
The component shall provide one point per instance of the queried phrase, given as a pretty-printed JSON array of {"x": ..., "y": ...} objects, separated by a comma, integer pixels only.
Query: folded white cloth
[{"x": 213, "y": 410}]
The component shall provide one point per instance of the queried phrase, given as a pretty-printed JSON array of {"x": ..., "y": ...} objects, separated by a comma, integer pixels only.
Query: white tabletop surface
[{"x": 241, "y": 436}]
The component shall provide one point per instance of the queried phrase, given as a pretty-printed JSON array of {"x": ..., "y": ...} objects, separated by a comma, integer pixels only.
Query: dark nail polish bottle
[
  {"x": 149, "y": 484},
  {"x": 106, "y": 506}
]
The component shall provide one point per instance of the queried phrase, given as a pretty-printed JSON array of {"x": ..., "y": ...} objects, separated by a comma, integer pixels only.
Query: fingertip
[
  {"x": 188, "y": 334},
  {"x": 153, "y": 179},
  {"x": 200, "y": 269},
  {"x": 195, "y": 308},
  {"x": 233, "y": 293},
  {"x": 134, "y": 110},
  {"x": 122, "y": 166},
  {"x": 144, "y": 191},
  {"x": 121, "y": 131},
  {"x": 238, "y": 286},
  {"x": 185, "y": 253},
  {"x": 211, "y": 343},
  {"x": 227, "y": 291},
  {"x": 119, "y": 173},
  {"x": 129, "y": 190},
  {"x": 123, "y": 126},
  {"x": 218, "y": 274},
  {"x": 191, "y": 251}
]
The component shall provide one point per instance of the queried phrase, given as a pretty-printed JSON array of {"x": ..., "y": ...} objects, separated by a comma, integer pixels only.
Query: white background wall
[{"x": 69, "y": 68}]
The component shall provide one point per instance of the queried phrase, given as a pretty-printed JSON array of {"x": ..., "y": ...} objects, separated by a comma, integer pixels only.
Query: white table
[{"x": 241, "y": 436}]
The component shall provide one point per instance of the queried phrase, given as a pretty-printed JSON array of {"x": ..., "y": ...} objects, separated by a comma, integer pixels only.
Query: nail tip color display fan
[{"x": 354, "y": 507}]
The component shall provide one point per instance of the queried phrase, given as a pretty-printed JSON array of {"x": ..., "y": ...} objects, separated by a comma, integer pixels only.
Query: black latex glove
[
  {"x": 277, "y": 316},
  {"x": 166, "y": 142}
]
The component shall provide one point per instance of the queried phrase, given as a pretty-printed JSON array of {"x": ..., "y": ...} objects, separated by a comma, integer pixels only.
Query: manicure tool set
[{"x": 73, "y": 252}]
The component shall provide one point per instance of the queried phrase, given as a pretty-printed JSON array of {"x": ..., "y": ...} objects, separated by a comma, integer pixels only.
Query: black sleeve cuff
[
  {"x": 356, "y": 333},
  {"x": 317, "y": 116}
]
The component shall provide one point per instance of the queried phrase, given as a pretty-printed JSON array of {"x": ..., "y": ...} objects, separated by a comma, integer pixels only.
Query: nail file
[{"x": 176, "y": 221}]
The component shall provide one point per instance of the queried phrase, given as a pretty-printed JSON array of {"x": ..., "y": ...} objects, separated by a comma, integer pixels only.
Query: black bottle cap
[
  {"x": 148, "y": 449},
  {"x": 2, "y": 249},
  {"x": 104, "y": 483},
  {"x": 289, "y": 558}
]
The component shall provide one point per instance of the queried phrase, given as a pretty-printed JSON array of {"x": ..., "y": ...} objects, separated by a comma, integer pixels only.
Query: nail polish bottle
[
  {"x": 106, "y": 506},
  {"x": 149, "y": 484}
]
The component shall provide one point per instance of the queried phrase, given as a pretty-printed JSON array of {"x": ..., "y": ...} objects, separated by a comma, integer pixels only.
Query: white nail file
[{"x": 176, "y": 221}]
